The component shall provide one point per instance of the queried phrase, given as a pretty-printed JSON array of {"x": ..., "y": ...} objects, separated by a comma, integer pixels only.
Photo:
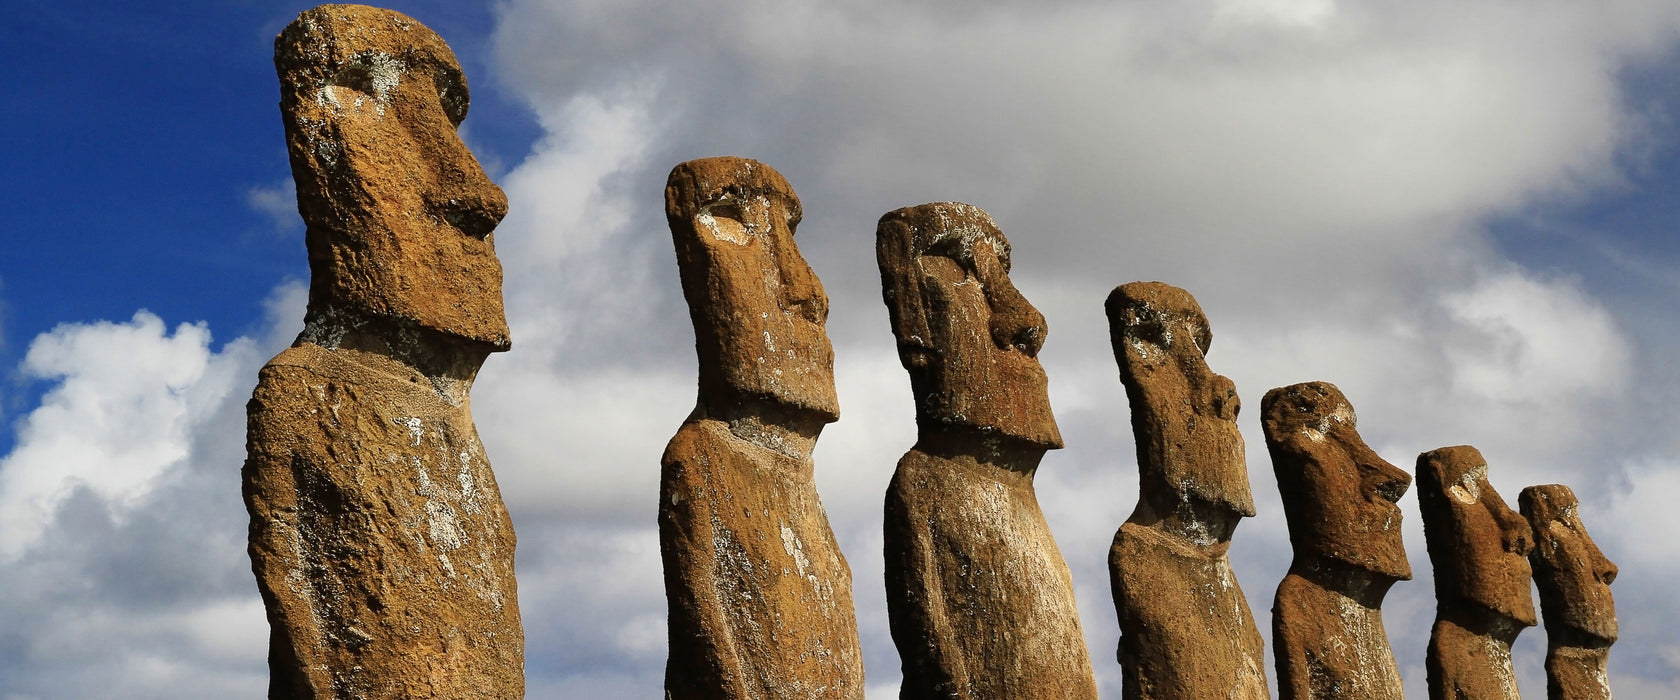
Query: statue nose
[
  {"x": 1015, "y": 323},
  {"x": 474, "y": 213},
  {"x": 1390, "y": 481},
  {"x": 1222, "y": 397},
  {"x": 1608, "y": 573},
  {"x": 801, "y": 290},
  {"x": 463, "y": 195},
  {"x": 1515, "y": 534}
]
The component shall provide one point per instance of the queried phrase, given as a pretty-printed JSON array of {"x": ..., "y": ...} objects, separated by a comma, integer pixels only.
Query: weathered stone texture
[
  {"x": 760, "y": 598},
  {"x": 378, "y": 537},
  {"x": 1339, "y": 499},
  {"x": 1185, "y": 628},
  {"x": 979, "y": 599},
  {"x": 1478, "y": 548},
  {"x": 1574, "y": 579}
]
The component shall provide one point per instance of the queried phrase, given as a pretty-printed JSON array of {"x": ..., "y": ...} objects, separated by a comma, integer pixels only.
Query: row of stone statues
[
  {"x": 384, "y": 553},
  {"x": 979, "y": 599}
]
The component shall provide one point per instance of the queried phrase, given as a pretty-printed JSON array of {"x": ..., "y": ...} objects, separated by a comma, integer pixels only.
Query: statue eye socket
[
  {"x": 724, "y": 222},
  {"x": 452, "y": 93},
  {"x": 948, "y": 247},
  {"x": 1150, "y": 331},
  {"x": 353, "y": 77}
]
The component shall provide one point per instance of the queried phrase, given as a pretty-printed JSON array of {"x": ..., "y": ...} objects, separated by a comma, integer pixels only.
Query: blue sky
[
  {"x": 137, "y": 133},
  {"x": 1463, "y": 214}
]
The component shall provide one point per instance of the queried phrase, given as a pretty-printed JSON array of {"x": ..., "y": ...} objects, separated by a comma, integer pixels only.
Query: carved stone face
[
  {"x": 758, "y": 309},
  {"x": 1184, "y": 416},
  {"x": 1573, "y": 576},
  {"x": 1338, "y": 495},
  {"x": 399, "y": 213},
  {"x": 968, "y": 338},
  {"x": 1478, "y": 546}
]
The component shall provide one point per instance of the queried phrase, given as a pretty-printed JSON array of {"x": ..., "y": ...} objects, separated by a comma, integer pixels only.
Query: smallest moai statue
[
  {"x": 1339, "y": 498},
  {"x": 1479, "y": 549},
  {"x": 1574, "y": 580}
]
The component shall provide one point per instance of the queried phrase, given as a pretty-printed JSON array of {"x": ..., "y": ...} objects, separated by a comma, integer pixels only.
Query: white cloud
[
  {"x": 127, "y": 401},
  {"x": 120, "y": 515},
  {"x": 1534, "y": 342},
  {"x": 279, "y": 202}
]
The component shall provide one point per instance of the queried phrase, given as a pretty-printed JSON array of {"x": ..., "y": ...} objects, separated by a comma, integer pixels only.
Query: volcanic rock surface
[
  {"x": 760, "y": 598},
  {"x": 378, "y": 537},
  {"x": 979, "y": 599},
  {"x": 1574, "y": 579},
  {"x": 1479, "y": 549},
  {"x": 1185, "y": 628},
  {"x": 1339, "y": 499}
]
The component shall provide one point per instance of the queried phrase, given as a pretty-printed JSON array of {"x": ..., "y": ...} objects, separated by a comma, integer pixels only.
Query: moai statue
[
  {"x": 1479, "y": 549},
  {"x": 979, "y": 599},
  {"x": 1185, "y": 628},
  {"x": 378, "y": 536},
  {"x": 760, "y": 597},
  {"x": 1574, "y": 580},
  {"x": 1339, "y": 498}
]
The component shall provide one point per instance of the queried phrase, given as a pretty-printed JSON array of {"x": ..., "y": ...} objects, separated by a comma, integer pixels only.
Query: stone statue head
[
  {"x": 1338, "y": 495},
  {"x": 758, "y": 309},
  {"x": 1184, "y": 417},
  {"x": 1574, "y": 577},
  {"x": 399, "y": 213},
  {"x": 1477, "y": 545},
  {"x": 969, "y": 340}
]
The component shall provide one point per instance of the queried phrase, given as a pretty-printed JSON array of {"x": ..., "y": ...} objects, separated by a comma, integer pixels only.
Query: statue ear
[{"x": 901, "y": 287}]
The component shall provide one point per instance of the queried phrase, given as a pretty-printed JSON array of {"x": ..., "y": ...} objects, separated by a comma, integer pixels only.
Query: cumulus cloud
[
  {"x": 128, "y": 399},
  {"x": 122, "y": 534}
]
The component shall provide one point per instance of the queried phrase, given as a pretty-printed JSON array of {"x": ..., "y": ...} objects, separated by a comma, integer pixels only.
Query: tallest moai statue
[
  {"x": 378, "y": 536},
  {"x": 760, "y": 598}
]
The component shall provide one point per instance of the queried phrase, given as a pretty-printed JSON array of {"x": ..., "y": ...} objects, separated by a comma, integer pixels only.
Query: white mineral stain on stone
[
  {"x": 385, "y": 71},
  {"x": 1499, "y": 662},
  {"x": 416, "y": 429},
  {"x": 727, "y": 228},
  {"x": 378, "y": 72},
  {"x": 444, "y": 529},
  {"x": 1469, "y": 487},
  {"x": 1316, "y": 430},
  {"x": 960, "y": 227},
  {"x": 795, "y": 549}
]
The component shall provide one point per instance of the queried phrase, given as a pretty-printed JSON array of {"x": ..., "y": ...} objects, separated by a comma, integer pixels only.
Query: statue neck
[
  {"x": 1359, "y": 584},
  {"x": 448, "y": 361},
  {"x": 1186, "y": 517},
  {"x": 986, "y": 447},
  {"x": 774, "y": 426}
]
